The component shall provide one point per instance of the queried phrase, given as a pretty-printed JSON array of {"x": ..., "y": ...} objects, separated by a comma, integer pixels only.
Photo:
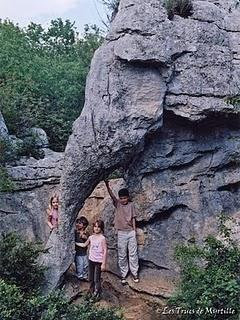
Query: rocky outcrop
[
  {"x": 158, "y": 105},
  {"x": 33, "y": 182},
  {"x": 3, "y": 128}
]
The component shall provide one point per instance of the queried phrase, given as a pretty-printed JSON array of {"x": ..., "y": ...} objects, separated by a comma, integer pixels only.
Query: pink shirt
[
  {"x": 54, "y": 217},
  {"x": 96, "y": 250}
]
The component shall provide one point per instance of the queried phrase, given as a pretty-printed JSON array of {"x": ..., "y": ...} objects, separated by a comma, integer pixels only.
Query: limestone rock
[
  {"x": 24, "y": 209},
  {"x": 3, "y": 128},
  {"x": 158, "y": 105}
]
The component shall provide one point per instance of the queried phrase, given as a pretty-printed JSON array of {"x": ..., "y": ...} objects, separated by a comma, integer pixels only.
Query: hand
[{"x": 103, "y": 267}]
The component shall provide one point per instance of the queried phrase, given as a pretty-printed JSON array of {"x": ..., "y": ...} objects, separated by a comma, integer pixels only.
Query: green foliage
[
  {"x": 43, "y": 75},
  {"x": 14, "y": 306},
  {"x": 21, "y": 277},
  {"x": 181, "y": 8},
  {"x": 235, "y": 101},
  {"x": 210, "y": 276},
  {"x": 6, "y": 184},
  {"x": 11, "y": 301},
  {"x": 111, "y": 4},
  {"x": 5, "y": 151},
  {"x": 18, "y": 263}
]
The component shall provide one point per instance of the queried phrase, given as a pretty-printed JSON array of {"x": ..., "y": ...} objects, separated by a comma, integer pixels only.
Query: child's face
[
  {"x": 124, "y": 200},
  {"x": 79, "y": 225},
  {"x": 97, "y": 229},
  {"x": 55, "y": 203}
]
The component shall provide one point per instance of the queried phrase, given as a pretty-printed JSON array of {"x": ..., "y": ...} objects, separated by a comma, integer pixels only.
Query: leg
[
  {"x": 85, "y": 267},
  {"x": 91, "y": 272},
  {"x": 98, "y": 288},
  {"x": 79, "y": 266},
  {"x": 133, "y": 255},
  {"x": 122, "y": 253}
]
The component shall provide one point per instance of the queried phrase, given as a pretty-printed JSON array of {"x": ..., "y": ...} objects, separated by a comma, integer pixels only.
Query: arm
[
  {"x": 134, "y": 214},
  {"x": 49, "y": 220},
  {"x": 114, "y": 199},
  {"x": 83, "y": 245},
  {"x": 103, "y": 266},
  {"x": 84, "y": 235},
  {"x": 134, "y": 223}
]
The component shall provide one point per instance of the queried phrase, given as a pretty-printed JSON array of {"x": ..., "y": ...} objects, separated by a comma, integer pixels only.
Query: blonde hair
[{"x": 55, "y": 196}]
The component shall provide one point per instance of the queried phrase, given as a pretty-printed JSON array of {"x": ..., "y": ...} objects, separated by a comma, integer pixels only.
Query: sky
[{"x": 43, "y": 11}]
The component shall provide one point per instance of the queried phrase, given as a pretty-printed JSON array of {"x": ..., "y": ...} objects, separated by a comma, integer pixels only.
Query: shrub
[
  {"x": 43, "y": 75},
  {"x": 210, "y": 276},
  {"x": 21, "y": 278},
  {"x": 11, "y": 301},
  {"x": 18, "y": 263},
  {"x": 6, "y": 184},
  {"x": 181, "y": 8}
]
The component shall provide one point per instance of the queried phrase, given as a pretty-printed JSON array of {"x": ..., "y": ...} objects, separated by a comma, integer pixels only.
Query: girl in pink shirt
[
  {"x": 52, "y": 212},
  {"x": 97, "y": 257}
]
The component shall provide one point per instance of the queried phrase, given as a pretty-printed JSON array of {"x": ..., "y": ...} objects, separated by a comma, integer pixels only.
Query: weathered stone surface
[
  {"x": 3, "y": 128},
  {"x": 149, "y": 73},
  {"x": 24, "y": 209},
  {"x": 132, "y": 96},
  {"x": 185, "y": 178}
]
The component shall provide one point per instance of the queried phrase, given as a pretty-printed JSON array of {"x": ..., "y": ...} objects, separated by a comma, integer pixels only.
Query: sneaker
[
  {"x": 135, "y": 279},
  {"x": 123, "y": 281}
]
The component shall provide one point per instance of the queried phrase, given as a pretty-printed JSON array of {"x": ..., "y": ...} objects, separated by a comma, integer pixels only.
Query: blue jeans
[{"x": 81, "y": 266}]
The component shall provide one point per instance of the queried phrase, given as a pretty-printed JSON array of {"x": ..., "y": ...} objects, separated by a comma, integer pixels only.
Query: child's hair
[
  {"x": 100, "y": 224},
  {"x": 123, "y": 193},
  {"x": 83, "y": 220},
  {"x": 55, "y": 196}
]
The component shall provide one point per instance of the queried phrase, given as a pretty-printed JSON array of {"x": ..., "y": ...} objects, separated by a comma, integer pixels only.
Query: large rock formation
[
  {"x": 33, "y": 182},
  {"x": 158, "y": 105}
]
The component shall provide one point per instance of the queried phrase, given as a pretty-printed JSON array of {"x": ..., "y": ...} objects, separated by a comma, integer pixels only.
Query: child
[
  {"x": 81, "y": 260},
  {"x": 97, "y": 257},
  {"x": 125, "y": 224},
  {"x": 52, "y": 213}
]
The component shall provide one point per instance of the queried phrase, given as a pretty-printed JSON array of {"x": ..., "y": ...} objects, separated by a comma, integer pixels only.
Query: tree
[
  {"x": 43, "y": 75},
  {"x": 210, "y": 280}
]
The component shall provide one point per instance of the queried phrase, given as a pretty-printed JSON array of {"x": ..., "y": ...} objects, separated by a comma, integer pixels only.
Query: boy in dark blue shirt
[{"x": 81, "y": 259}]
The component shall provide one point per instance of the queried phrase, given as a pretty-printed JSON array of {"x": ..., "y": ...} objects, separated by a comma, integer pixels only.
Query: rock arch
[{"x": 147, "y": 67}]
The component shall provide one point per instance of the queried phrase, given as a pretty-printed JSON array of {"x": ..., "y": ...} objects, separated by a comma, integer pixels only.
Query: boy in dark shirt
[
  {"x": 125, "y": 224},
  {"x": 81, "y": 259}
]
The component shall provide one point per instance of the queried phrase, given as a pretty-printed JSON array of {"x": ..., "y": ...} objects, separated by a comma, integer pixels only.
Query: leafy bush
[
  {"x": 6, "y": 184},
  {"x": 18, "y": 263},
  {"x": 19, "y": 284},
  {"x": 11, "y": 301},
  {"x": 181, "y": 8},
  {"x": 43, "y": 75},
  {"x": 210, "y": 276}
]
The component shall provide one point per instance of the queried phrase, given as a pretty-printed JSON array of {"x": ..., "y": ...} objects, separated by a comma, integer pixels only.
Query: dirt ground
[{"x": 133, "y": 304}]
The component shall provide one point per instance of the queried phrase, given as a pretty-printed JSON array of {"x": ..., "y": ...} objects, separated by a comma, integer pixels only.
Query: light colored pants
[
  {"x": 127, "y": 245},
  {"x": 81, "y": 266}
]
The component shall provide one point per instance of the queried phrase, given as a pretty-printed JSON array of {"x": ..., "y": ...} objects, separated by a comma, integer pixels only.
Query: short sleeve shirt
[
  {"x": 79, "y": 250},
  {"x": 96, "y": 250},
  {"x": 124, "y": 215}
]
